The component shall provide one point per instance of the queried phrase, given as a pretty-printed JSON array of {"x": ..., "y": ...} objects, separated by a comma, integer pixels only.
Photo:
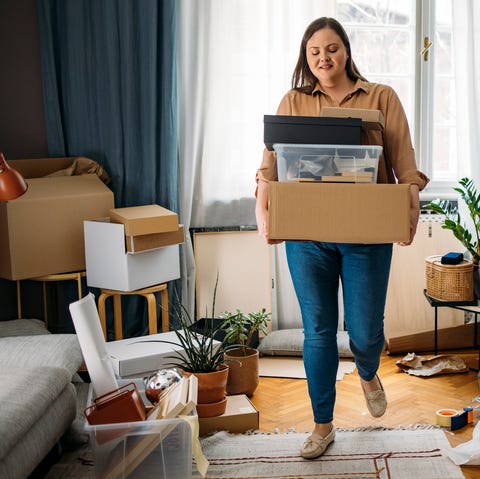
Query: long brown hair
[{"x": 303, "y": 79}]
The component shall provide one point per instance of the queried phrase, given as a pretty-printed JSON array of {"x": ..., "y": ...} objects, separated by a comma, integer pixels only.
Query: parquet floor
[{"x": 284, "y": 404}]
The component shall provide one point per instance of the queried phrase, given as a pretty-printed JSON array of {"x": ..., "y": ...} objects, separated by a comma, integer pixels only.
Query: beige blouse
[{"x": 395, "y": 138}]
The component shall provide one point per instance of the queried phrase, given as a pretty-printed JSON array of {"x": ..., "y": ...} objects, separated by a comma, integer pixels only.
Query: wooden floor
[{"x": 284, "y": 403}]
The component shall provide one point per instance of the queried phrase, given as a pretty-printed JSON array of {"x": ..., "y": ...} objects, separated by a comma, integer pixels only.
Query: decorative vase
[{"x": 243, "y": 375}]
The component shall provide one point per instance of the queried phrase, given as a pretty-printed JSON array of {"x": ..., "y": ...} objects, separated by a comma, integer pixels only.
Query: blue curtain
[{"x": 109, "y": 84}]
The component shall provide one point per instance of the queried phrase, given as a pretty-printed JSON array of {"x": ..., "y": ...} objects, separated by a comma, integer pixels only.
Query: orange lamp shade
[{"x": 12, "y": 184}]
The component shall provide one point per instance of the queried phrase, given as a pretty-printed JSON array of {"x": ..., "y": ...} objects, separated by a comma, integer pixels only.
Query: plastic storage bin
[
  {"x": 327, "y": 163},
  {"x": 143, "y": 449},
  {"x": 160, "y": 449}
]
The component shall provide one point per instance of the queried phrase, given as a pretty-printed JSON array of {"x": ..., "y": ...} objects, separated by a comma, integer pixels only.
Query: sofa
[{"x": 38, "y": 399}]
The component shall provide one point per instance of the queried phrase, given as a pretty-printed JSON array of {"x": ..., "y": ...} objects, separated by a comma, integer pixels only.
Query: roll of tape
[{"x": 444, "y": 417}]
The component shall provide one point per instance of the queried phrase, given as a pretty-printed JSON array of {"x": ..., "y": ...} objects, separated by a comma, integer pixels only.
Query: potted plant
[
  {"x": 203, "y": 356},
  {"x": 452, "y": 221},
  {"x": 240, "y": 355}
]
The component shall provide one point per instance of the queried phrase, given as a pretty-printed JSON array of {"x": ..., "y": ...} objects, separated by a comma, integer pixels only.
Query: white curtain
[
  {"x": 466, "y": 46},
  {"x": 236, "y": 58}
]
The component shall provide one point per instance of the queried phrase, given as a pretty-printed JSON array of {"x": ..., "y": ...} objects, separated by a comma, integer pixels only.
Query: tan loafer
[
  {"x": 376, "y": 400},
  {"x": 315, "y": 445}
]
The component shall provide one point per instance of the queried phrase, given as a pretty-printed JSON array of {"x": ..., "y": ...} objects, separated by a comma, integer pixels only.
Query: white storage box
[
  {"x": 110, "y": 266},
  {"x": 327, "y": 163},
  {"x": 145, "y": 354}
]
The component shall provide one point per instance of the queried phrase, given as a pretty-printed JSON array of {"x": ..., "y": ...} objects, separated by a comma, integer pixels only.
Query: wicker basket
[{"x": 449, "y": 282}]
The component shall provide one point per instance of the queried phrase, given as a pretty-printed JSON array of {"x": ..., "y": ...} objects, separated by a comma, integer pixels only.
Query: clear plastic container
[
  {"x": 156, "y": 449},
  {"x": 327, "y": 163}
]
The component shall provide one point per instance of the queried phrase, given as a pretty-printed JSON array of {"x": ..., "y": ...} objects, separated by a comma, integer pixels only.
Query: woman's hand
[
  {"x": 261, "y": 212},
  {"x": 414, "y": 214}
]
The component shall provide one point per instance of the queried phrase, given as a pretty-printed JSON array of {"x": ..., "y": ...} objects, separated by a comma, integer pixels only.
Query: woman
[{"x": 325, "y": 75}]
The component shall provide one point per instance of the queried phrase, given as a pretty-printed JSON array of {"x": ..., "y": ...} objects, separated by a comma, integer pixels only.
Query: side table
[
  {"x": 469, "y": 306},
  {"x": 72, "y": 276},
  {"x": 148, "y": 294}
]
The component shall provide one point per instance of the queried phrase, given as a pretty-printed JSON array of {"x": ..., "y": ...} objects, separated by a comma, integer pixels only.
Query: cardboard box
[
  {"x": 135, "y": 357},
  {"x": 311, "y": 130},
  {"x": 137, "y": 244},
  {"x": 110, "y": 266},
  {"x": 333, "y": 163},
  {"x": 342, "y": 213},
  {"x": 144, "y": 220},
  {"x": 371, "y": 119},
  {"x": 41, "y": 232},
  {"x": 239, "y": 416}
]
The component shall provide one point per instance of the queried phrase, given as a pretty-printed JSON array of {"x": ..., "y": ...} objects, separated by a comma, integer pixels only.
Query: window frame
[
  {"x": 422, "y": 98},
  {"x": 424, "y": 101}
]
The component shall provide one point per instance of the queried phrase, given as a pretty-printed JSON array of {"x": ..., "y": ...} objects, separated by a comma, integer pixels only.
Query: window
[{"x": 408, "y": 45}]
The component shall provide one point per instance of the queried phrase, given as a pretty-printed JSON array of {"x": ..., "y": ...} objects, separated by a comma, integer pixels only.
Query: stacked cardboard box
[{"x": 340, "y": 212}]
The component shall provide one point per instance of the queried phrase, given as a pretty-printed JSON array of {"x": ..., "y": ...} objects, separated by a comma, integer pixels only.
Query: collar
[{"x": 359, "y": 85}]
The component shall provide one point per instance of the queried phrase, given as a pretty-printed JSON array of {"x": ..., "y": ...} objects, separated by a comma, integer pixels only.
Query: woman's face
[{"x": 327, "y": 56}]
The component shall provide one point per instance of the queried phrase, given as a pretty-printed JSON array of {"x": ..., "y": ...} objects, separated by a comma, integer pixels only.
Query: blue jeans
[{"x": 316, "y": 269}]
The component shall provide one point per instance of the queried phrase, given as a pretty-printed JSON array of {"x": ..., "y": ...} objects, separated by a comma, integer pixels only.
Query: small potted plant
[
  {"x": 203, "y": 356},
  {"x": 240, "y": 355},
  {"x": 453, "y": 222}
]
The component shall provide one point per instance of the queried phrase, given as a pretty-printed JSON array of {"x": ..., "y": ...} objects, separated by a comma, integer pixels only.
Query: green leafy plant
[
  {"x": 240, "y": 327},
  {"x": 452, "y": 220}
]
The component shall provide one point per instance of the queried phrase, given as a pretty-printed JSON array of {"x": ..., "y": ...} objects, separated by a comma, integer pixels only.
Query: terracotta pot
[
  {"x": 212, "y": 409},
  {"x": 243, "y": 374},
  {"x": 211, "y": 386}
]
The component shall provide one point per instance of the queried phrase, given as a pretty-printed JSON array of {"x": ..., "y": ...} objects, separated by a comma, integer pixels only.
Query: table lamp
[{"x": 12, "y": 184}]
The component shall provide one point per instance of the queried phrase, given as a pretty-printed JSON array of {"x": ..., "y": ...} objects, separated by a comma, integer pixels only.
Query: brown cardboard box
[
  {"x": 139, "y": 243},
  {"x": 239, "y": 416},
  {"x": 342, "y": 213},
  {"x": 371, "y": 119},
  {"x": 144, "y": 220},
  {"x": 41, "y": 232}
]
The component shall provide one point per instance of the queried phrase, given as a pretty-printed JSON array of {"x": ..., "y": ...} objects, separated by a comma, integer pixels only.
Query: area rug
[
  {"x": 283, "y": 367},
  {"x": 356, "y": 454}
]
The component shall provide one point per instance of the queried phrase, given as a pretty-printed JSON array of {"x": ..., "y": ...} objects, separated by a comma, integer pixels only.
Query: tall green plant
[
  {"x": 202, "y": 353},
  {"x": 452, "y": 220}
]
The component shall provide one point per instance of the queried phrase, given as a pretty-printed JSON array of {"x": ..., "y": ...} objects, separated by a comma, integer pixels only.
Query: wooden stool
[
  {"x": 148, "y": 294},
  {"x": 73, "y": 276}
]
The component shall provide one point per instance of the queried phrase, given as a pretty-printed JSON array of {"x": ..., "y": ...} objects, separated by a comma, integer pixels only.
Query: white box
[
  {"x": 139, "y": 356},
  {"x": 109, "y": 265}
]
